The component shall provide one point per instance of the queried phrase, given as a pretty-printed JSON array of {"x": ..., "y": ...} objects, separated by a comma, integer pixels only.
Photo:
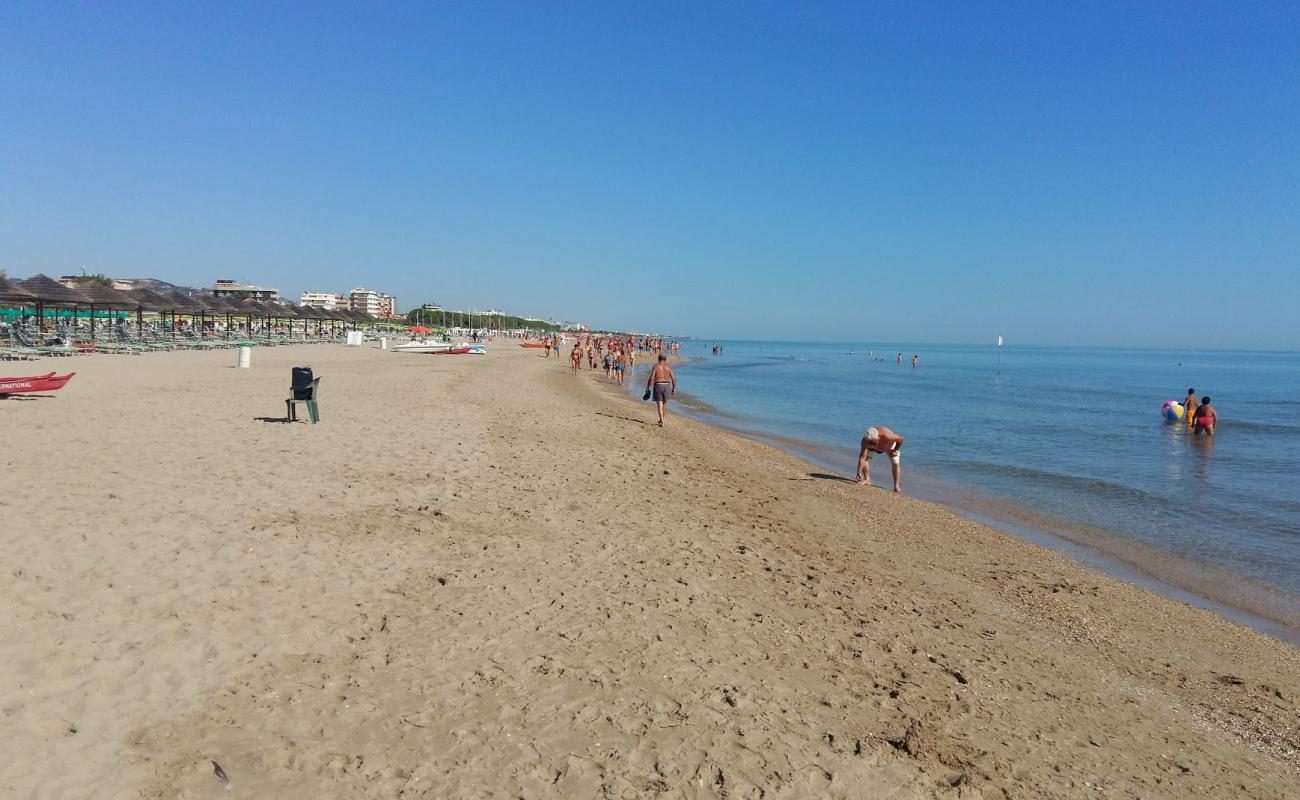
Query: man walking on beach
[
  {"x": 661, "y": 385},
  {"x": 878, "y": 440}
]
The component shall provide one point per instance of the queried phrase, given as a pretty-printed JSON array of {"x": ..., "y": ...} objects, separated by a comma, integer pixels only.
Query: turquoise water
[{"x": 1075, "y": 433}]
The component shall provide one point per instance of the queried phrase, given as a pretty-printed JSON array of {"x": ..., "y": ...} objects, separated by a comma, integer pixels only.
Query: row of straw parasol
[{"x": 41, "y": 292}]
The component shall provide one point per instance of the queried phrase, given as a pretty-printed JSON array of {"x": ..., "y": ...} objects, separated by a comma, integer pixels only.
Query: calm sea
[{"x": 1045, "y": 436}]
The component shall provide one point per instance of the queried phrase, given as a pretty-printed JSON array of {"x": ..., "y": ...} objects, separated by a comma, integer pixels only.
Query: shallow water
[{"x": 1074, "y": 433}]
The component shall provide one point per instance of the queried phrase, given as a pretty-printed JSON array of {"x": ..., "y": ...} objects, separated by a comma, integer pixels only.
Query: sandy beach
[{"x": 484, "y": 577}]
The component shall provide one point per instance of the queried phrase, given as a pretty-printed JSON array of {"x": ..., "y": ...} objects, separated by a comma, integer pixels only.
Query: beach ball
[{"x": 1172, "y": 410}]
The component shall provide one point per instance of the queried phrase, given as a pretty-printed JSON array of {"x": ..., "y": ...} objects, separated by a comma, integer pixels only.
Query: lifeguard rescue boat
[{"x": 49, "y": 382}]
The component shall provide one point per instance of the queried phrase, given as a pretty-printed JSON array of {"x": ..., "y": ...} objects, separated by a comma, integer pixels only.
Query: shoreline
[
  {"x": 1260, "y": 606},
  {"x": 487, "y": 577}
]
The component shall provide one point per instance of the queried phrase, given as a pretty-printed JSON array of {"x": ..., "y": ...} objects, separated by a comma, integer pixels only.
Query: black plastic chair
[{"x": 304, "y": 388}]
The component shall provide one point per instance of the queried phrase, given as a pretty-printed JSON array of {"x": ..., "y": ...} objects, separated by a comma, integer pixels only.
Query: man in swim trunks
[
  {"x": 878, "y": 440},
  {"x": 662, "y": 384}
]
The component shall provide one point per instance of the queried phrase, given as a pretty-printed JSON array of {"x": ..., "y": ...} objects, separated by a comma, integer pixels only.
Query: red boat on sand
[
  {"x": 48, "y": 382},
  {"x": 455, "y": 351}
]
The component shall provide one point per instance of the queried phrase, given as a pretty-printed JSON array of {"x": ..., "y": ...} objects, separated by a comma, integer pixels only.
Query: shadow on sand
[
  {"x": 281, "y": 420},
  {"x": 629, "y": 419},
  {"x": 826, "y": 476}
]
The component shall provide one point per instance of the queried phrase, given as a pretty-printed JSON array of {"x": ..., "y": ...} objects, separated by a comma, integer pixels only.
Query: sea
[{"x": 1066, "y": 446}]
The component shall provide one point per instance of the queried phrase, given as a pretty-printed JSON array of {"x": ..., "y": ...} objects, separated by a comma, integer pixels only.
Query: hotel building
[
  {"x": 373, "y": 303},
  {"x": 326, "y": 300}
]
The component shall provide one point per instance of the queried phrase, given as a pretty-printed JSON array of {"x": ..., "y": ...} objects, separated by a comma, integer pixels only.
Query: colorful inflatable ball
[{"x": 1172, "y": 410}]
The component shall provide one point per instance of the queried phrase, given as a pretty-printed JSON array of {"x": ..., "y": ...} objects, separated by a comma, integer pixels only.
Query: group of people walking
[{"x": 617, "y": 356}]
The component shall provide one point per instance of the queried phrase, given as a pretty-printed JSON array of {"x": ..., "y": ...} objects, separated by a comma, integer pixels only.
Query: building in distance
[
  {"x": 326, "y": 300},
  {"x": 73, "y": 281},
  {"x": 376, "y": 304},
  {"x": 223, "y": 288}
]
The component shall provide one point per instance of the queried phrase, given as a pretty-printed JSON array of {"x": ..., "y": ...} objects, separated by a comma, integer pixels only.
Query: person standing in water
[
  {"x": 1189, "y": 405},
  {"x": 879, "y": 440},
  {"x": 661, "y": 385},
  {"x": 1207, "y": 419}
]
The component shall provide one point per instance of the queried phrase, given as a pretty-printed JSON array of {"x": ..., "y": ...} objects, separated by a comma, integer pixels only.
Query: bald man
[{"x": 878, "y": 440}]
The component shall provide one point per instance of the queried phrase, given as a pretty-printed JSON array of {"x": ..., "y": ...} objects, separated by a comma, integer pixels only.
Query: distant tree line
[{"x": 461, "y": 319}]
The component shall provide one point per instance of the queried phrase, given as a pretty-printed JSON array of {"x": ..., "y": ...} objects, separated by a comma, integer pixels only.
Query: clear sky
[{"x": 1085, "y": 173}]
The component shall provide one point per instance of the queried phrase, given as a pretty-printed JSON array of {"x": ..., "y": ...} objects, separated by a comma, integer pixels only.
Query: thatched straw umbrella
[
  {"x": 316, "y": 314},
  {"x": 183, "y": 303},
  {"x": 256, "y": 308},
  {"x": 310, "y": 314},
  {"x": 285, "y": 311},
  {"x": 50, "y": 292},
  {"x": 147, "y": 300},
  {"x": 208, "y": 305},
  {"x": 105, "y": 297},
  {"x": 333, "y": 316},
  {"x": 227, "y": 305},
  {"x": 329, "y": 315},
  {"x": 306, "y": 314},
  {"x": 13, "y": 293}
]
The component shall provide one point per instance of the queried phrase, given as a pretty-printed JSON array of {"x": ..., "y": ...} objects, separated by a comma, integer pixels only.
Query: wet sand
[{"x": 484, "y": 577}]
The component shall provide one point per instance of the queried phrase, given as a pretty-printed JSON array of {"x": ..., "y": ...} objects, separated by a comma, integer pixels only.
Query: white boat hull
[{"x": 422, "y": 347}]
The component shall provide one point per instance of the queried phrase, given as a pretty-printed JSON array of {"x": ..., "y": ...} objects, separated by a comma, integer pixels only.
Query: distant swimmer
[
  {"x": 900, "y": 358},
  {"x": 879, "y": 440},
  {"x": 914, "y": 357},
  {"x": 1207, "y": 419},
  {"x": 661, "y": 385},
  {"x": 1190, "y": 406}
]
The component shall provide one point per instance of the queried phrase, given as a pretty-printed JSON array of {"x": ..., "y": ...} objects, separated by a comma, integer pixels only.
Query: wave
[
  {"x": 1271, "y": 428},
  {"x": 1095, "y": 486},
  {"x": 772, "y": 362}
]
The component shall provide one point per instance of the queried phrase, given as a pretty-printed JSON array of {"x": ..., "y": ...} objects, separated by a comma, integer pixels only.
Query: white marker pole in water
[{"x": 999, "y": 355}]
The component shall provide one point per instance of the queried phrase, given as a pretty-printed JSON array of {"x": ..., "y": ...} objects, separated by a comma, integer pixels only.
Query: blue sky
[{"x": 1084, "y": 173}]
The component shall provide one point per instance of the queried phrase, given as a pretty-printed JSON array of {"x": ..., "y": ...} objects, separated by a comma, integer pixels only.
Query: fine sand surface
[{"x": 483, "y": 577}]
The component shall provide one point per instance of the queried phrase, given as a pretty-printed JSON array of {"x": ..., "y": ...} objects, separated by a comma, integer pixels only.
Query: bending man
[{"x": 878, "y": 440}]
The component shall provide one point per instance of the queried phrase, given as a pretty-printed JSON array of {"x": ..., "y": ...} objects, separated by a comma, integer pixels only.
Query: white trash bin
[
  {"x": 383, "y": 342},
  {"x": 245, "y": 355}
]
